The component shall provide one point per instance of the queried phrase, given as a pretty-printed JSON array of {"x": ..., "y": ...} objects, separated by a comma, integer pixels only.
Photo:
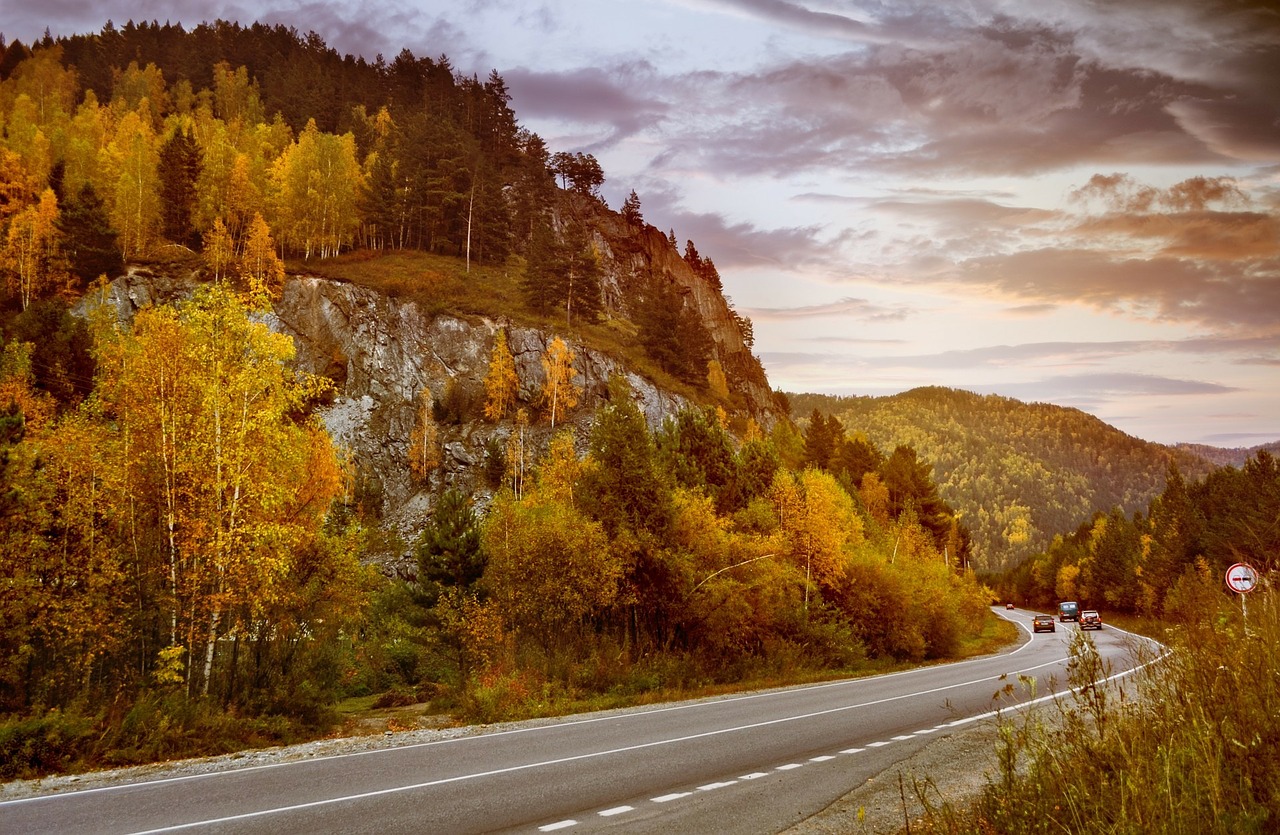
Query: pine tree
[
  {"x": 89, "y": 242},
  {"x": 631, "y": 210},
  {"x": 179, "y": 169},
  {"x": 448, "y": 549}
]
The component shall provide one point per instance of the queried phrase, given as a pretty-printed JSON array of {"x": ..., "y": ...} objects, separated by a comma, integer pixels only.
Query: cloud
[
  {"x": 589, "y": 96},
  {"x": 857, "y": 309}
]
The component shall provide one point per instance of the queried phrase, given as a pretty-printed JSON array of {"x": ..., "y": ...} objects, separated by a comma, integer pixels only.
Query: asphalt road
[{"x": 754, "y": 763}]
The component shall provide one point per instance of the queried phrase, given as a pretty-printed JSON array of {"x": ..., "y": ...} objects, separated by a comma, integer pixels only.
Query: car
[
  {"x": 1068, "y": 610},
  {"x": 1090, "y": 619},
  {"x": 1043, "y": 623},
  {"x": 1008, "y": 605}
]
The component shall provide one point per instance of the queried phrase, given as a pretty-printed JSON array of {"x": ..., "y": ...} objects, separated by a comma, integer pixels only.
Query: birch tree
[{"x": 559, "y": 392}]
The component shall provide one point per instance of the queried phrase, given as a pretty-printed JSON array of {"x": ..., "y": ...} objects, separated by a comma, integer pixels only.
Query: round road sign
[{"x": 1242, "y": 578}]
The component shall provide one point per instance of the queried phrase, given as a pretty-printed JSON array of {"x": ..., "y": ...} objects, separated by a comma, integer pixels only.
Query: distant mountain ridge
[
  {"x": 1228, "y": 456},
  {"x": 1017, "y": 472}
]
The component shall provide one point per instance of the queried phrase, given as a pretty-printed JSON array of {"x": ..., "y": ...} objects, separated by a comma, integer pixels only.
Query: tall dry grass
[{"x": 1191, "y": 744}]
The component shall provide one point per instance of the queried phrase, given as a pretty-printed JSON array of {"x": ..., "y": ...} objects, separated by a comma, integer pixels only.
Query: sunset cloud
[{"x": 991, "y": 195}]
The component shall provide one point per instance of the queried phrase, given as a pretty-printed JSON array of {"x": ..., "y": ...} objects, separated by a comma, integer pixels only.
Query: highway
[{"x": 752, "y": 763}]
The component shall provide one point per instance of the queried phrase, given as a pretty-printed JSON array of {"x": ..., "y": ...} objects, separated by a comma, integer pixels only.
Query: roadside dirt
[{"x": 951, "y": 769}]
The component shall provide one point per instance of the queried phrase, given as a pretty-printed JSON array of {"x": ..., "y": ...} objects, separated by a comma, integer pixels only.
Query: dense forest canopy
[
  {"x": 148, "y": 140},
  {"x": 1018, "y": 473}
]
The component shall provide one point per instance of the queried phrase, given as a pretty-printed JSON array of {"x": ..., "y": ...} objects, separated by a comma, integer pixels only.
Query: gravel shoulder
[{"x": 952, "y": 769}]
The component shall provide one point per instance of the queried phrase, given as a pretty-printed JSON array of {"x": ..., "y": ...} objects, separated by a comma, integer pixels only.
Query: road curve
[{"x": 757, "y": 762}]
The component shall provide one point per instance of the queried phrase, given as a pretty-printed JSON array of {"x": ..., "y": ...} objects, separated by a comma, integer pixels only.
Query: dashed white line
[
  {"x": 667, "y": 798},
  {"x": 617, "y": 810},
  {"x": 755, "y": 775},
  {"x": 552, "y": 827},
  {"x": 901, "y": 738},
  {"x": 710, "y": 787},
  {"x": 821, "y": 759},
  {"x": 853, "y": 750},
  {"x": 880, "y": 744},
  {"x": 925, "y": 731},
  {"x": 789, "y": 766}
]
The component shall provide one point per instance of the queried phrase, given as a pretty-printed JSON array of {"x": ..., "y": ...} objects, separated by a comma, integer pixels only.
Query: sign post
[{"x": 1242, "y": 578}]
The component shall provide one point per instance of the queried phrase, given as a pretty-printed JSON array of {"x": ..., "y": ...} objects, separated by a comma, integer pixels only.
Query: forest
[
  {"x": 182, "y": 546},
  {"x": 1154, "y": 561},
  {"x": 1018, "y": 473}
]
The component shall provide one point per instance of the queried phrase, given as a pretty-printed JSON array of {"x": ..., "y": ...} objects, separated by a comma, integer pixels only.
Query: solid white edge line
[
  {"x": 481, "y": 735},
  {"x": 640, "y": 746}
]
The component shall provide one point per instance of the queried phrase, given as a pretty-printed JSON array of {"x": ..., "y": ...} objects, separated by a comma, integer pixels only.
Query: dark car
[
  {"x": 1043, "y": 623},
  {"x": 1090, "y": 619}
]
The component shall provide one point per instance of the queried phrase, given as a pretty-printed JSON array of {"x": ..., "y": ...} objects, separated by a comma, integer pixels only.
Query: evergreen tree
[
  {"x": 822, "y": 438},
  {"x": 631, "y": 210},
  {"x": 911, "y": 486},
  {"x": 698, "y": 453},
  {"x": 179, "y": 168},
  {"x": 544, "y": 264},
  {"x": 673, "y": 334},
  {"x": 448, "y": 550}
]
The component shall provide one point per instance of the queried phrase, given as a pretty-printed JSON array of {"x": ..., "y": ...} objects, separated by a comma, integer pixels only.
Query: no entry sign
[{"x": 1242, "y": 578}]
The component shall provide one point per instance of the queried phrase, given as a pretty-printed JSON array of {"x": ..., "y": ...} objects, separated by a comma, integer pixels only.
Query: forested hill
[
  {"x": 1018, "y": 473},
  {"x": 141, "y": 142}
]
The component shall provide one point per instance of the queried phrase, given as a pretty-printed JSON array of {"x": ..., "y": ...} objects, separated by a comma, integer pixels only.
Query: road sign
[{"x": 1242, "y": 578}]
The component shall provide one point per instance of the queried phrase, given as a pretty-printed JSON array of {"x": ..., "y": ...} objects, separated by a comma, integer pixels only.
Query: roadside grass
[
  {"x": 1189, "y": 745},
  {"x": 163, "y": 727},
  {"x": 522, "y": 692}
]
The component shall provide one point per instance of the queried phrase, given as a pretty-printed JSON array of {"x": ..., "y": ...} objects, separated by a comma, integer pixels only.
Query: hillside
[
  {"x": 1228, "y": 456},
  {"x": 1018, "y": 473}
]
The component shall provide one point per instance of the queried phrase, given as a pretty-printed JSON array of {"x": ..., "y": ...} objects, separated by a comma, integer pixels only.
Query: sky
[{"x": 1065, "y": 201}]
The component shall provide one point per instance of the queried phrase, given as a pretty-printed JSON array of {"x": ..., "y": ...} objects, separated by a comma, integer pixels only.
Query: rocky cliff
[{"x": 382, "y": 352}]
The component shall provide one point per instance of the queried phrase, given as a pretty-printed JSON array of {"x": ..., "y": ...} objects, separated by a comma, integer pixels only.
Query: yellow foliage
[
  {"x": 716, "y": 381},
  {"x": 501, "y": 383},
  {"x": 424, "y": 444},
  {"x": 559, "y": 392}
]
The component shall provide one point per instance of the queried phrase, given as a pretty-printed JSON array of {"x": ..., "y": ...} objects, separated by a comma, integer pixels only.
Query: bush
[
  {"x": 1197, "y": 750},
  {"x": 42, "y": 744}
]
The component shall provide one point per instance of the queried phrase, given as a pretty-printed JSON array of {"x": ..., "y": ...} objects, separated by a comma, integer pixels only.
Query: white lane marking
[
  {"x": 901, "y": 738},
  {"x": 755, "y": 775},
  {"x": 617, "y": 810},
  {"x": 853, "y": 750},
  {"x": 574, "y": 758},
  {"x": 789, "y": 766},
  {"x": 710, "y": 787},
  {"x": 821, "y": 759},
  {"x": 610, "y": 718},
  {"x": 552, "y": 827},
  {"x": 925, "y": 731},
  {"x": 667, "y": 798},
  {"x": 625, "y": 749},
  {"x": 880, "y": 744}
]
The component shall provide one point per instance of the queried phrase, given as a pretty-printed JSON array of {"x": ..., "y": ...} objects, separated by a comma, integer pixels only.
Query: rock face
[
  {"x": 381, "y": 353},
  {"x": 633, "y": 255}
]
